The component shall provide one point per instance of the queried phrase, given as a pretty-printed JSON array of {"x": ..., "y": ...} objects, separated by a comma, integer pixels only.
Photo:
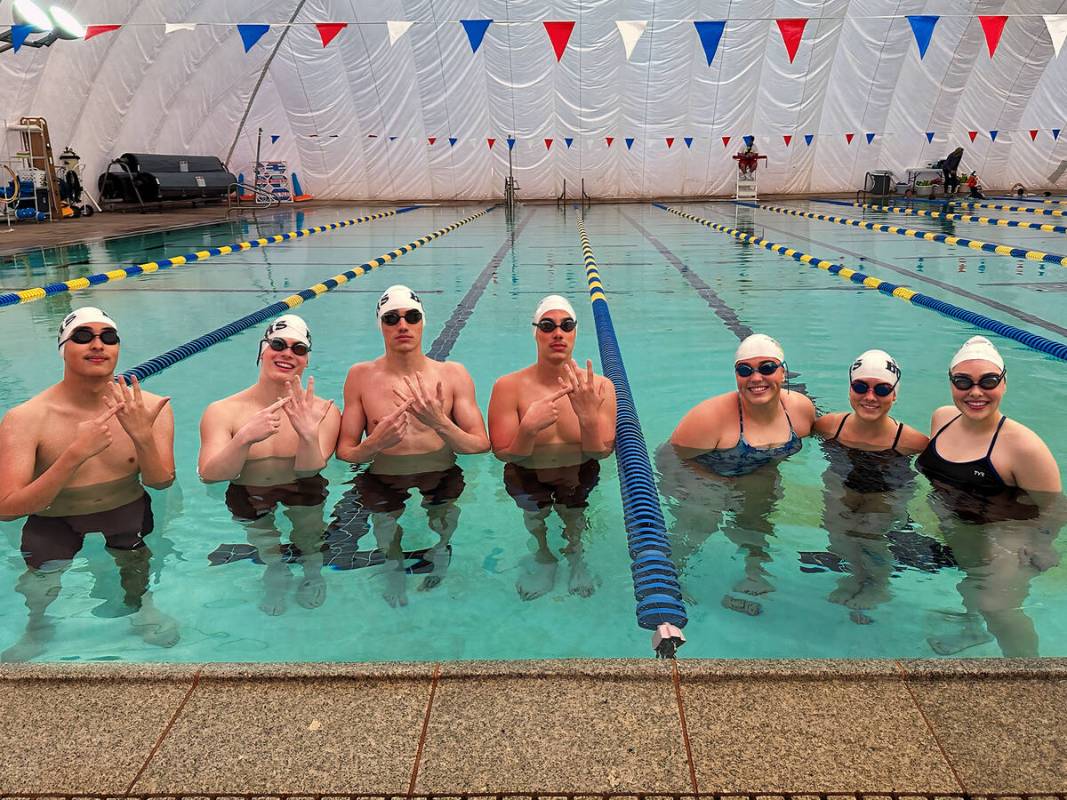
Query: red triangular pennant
[
  {"x": 96, "y": 30},
  {"x": 972, "y": 134},
  {"x": 560, "y": 34},
  {"x": 609, "y": 140},
  {"x": 792, "y": 30},
  {"x": 1033, "y": 135},
  {"x": 670, "y": 142},
  {"x": 548, "y": 144},
  {"x": 992, "y": 26},
  {"x": 328, "y": 30},
  {"x": 431, "y": 139},
  {"x": 491, "y": 142},
  {"x": 788, "y": 138},
  {"x": 725, "y": 141},
  {"x": 848, "y": 137}
]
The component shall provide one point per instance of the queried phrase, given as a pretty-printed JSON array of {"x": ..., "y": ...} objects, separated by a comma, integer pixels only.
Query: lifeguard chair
[{"x": 747, "y": 163}]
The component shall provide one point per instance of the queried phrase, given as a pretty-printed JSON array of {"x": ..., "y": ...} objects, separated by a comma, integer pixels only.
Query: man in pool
[
  {"x": 271, "y": 441},
  {"x": 551, "y": 422},
  {"x": 76, "y": 460},
  {"x": 408, "y": 416}
]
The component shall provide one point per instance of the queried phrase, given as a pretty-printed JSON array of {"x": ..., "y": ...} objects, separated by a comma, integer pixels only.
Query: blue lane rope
[
  {"x": 156, "y": 365},
  {"x": 151, "y": 267},
  {"x": 655, "y": 578},
  {"x": 1032, "y": 340},
  {"x": 999, "y": 222}
]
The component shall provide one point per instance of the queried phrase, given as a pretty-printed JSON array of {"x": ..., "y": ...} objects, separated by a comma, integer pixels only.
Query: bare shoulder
[
  {"x": 510, "y": 382},
  {"x": 223, "y": 409},
  {"x": 1023, "y": 441},
  {"x": 703, "y": 422},
  {"x": 795, "y": 401},
  {"x": 912, "y": 440},
  {"x": 455, "y": 373},
  {"x": 26, "y": 416},
  {"x": 826, "y": 425}
]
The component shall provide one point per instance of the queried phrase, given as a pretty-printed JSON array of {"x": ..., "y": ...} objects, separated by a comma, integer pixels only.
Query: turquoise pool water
[{"x": 671, "y": 284}]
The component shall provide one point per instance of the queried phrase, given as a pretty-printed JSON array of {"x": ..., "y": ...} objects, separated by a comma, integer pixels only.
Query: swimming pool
[{"x": 681, "y": 296}]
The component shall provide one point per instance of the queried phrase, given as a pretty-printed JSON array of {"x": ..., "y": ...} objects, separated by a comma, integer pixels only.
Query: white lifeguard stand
[{"x": 747, "y": 163}]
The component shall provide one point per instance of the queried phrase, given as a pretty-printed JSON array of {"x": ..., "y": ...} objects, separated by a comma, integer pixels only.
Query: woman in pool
[
  {"x": 740, "y": 436},
  {"x": 869, "y": 481},
  {"x": 998, "y": 493}
]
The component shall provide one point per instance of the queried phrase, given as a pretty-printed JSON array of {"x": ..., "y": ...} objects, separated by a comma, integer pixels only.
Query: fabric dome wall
[{"x": 335, "y": 108}]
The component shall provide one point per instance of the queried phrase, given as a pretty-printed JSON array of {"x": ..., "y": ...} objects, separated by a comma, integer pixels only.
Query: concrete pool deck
[{"x": 539, "y": 727}]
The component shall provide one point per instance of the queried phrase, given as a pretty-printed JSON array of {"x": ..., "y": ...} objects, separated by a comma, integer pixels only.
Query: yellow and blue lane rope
[
  {"x": 1032, "y": 340},
  {"x": 1048, "y": 212},
  {"x": 951, "y": 215},
  {"x": 655, "y": 578},
  {"x": 150, "y": 267},
  {"x": 930, "y": 236},
  {"x": 172, "y": 357}
]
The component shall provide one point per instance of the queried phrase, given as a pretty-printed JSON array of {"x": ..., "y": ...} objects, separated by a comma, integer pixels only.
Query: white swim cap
[
  {"x": 759, "y": 345},
  {"x": 86, "y": 315},
  {"x": 398, "y": 296},
  {"x": 876, "y": 364},
  {"x": 287, "y": 326},
  {"x": 977, "y": 348},
  {"x": 553, "y": 303}
]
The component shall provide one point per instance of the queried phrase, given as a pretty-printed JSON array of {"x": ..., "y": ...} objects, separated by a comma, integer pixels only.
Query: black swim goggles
[
  {"x": 411, "y": 317},
  {"x": 881, "y": 389},
  {"x": 549, "y": 325},
  {"x": 280, "y": 346},
  {"x": 990, "y": 380},
  {"x": 85, "y": 335},
  {"x": 764, "y": 368}
]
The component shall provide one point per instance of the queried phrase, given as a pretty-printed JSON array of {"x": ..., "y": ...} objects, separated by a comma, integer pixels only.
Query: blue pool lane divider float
[
  {"x": 1031, "y": 340},
  {"x": 929, "y": 236},
  {"x": 659, "y": 597},
  {"x": 150, "y": 267},
  {"x": 999, "y": 222},
  {"x": 171, "y": 357}
]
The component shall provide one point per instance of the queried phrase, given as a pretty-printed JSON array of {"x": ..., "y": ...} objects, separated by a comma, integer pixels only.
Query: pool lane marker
[
  {"x": 1031, "y": 340},
  {"x": 171, "y": 357},
  {"x": 930, "y": 236},
  {"x": 655, "y": 578},
  {"x": 150, "y": 267},
  {"x": 921, "y": 212},
  {"x": 1048, "y": 212}
]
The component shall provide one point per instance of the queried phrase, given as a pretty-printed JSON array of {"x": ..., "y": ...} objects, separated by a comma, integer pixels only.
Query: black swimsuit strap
[
  {"x": 740, "y": 418},
  {"x": 995, "y": 435},
  {"x": 942, "y": 428},
  {"x": 896, "y": 439},
  {"x": 840, "y": 427}
]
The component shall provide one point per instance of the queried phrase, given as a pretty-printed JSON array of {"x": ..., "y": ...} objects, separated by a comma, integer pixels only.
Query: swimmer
[
  {"x": 550, "y": 423},
  {"x": 77, "y": 459},
  {"x": 271, "y": 441},
  {"x": 998, "y": 493},
  {"x": 869, "y": 481},
  {"x": 746, "y": 433},
  {"x": 408, "y": 416}
]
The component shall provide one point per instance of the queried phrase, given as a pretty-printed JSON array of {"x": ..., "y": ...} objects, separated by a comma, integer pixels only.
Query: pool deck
[{"x": 538, "y": 727}]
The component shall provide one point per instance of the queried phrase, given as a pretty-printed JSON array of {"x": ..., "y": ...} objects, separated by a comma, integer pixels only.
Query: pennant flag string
[
  {"x": 870, "y": 138},
  {"x": 629, "y": 142},
  {"x": 1057, "y": 30},
  {"x": 548, "y": 144},
  {"x": 792, "y": 30},
  {"x": 491, "y": 142},
  {"x": 174, "y": 27},
  {"x": 569, "y": 140},
  {"x": 972, "y": 134},
  {"x": 849, "y": 137},
  {"x": 688, "y": 142},
  {"x": 929, "y": 136},
  {"x": 609, "y": 140},
  {"x": 992, "y": 27},
  {"x": 475, "y": 29},
  {"x": 993, "y": 135},
  {"x": 96, "y": 30},
  {"x": 787, "y": 139},
  {"x": 922, "y": 26},
  {"x": 452, "y": 141},
  {"x": 710, "y": 33},
  {"x": 328, "y": 30},
  {"x": 630, "y": 31},
  {"x": 670, "y": 142},
  {"x": 397, "y": 28},
  {"x": 250, "y": 34},
  {"x": 725, "y": 141},
  {"x": 19, "y": 34},
  {"x": 808, "y": 137},
  {"x": 1033, "y": 135},
  {"x": 559, "y": 33}
]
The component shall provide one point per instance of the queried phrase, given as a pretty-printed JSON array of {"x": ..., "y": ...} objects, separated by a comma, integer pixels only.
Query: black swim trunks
[
  {"x": 535, "y": 489},
  {"x": 386, "y": 493},
  {"x": 47, "y": 539},
  {"x": 254, "y": 502}
]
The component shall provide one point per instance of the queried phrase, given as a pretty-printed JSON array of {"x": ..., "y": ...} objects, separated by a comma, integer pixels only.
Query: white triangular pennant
[
  {"x": 630, "y": 31},
  {"x": 397, "y": 28},
  {"x": 1057, "y": 29},
  {"x": 180, "y": 26}
]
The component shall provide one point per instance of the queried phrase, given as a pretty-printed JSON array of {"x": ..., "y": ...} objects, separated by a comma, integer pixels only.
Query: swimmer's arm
[
  {"x": 511, "y": 441},
  {"x": 222, "y": 454},
  {"x": 803, "y": 407},
  {"x": 827, "y": 424},
  {"x": 1035, "y": 471},
  {"x": 598, "y": 438},
  {"x": 313, "y": 454},
  {"x": 464, "y": 432},
  {"x": 24, "y": 495},
  {"x": 699, "y": 429},
  {"x": 155, "y": 455}
]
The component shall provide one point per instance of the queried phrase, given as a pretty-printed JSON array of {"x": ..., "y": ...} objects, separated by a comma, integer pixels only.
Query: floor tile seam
[
  {"x": 930, "y": 727},
  {"x": 166, "y": 731},
  {"x": 425, "y": 729},
  {"x": 677, "y": 681}
]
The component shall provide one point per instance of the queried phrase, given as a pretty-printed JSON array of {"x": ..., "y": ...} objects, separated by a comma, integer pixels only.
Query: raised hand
[
  {"x": 133, "y": 414},
  {"x": 265, "y": 423},
  {"x": 586, "y": 399},
  {"x": 301, "y": 409},
  {"x": 93, "y": 436},
  {"x": 544, "y": 412},
  {"x": 427, "y": 408},
  {"x": 392, "y": 428}
]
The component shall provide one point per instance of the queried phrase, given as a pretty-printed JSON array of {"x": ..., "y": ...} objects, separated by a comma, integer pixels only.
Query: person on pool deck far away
[
  {"x": 271, "y": 441},
  {"x": 408, "y": 415},
  {"x": 76, "y": 460},
  {"x": 551, "y": 422}
]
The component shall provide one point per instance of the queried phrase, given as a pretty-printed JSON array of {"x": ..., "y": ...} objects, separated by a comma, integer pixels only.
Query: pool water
[{"x": 680, "y": 295}]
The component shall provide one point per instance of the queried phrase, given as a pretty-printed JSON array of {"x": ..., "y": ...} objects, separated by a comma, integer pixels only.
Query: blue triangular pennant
[
  {"x": 392, "y": 138},
  {"x": 870, "y": 138},
  {"x": 629, "y": 143},
  {"x": 19, "y": 34},
  {"x": 922, "y": 25},
  {"x": 569, "y": 140},
  {"x": 250, "y": 34},
  {"x": 993, "y": 135},
  {"x": 1055, "y": 133},
  {"x": 274, "y": 138},
  {"x": 929, "y": 136},
  {"x": 688, "y": 141},
  {"x": 808, "y": 137},
  {"x": 475, "y": 29},
  {"x": 511, "y": 143},
  {"x": 749, "y": 140},
  {"x": 452, "y": 141},
  {"x": 710, "y": 33}
]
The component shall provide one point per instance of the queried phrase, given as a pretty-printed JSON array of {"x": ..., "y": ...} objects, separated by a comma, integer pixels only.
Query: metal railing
[{"x": 235, "y": 190}]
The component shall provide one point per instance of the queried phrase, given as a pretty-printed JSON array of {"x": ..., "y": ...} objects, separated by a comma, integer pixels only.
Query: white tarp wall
[{"x": 334, "y": 109}]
